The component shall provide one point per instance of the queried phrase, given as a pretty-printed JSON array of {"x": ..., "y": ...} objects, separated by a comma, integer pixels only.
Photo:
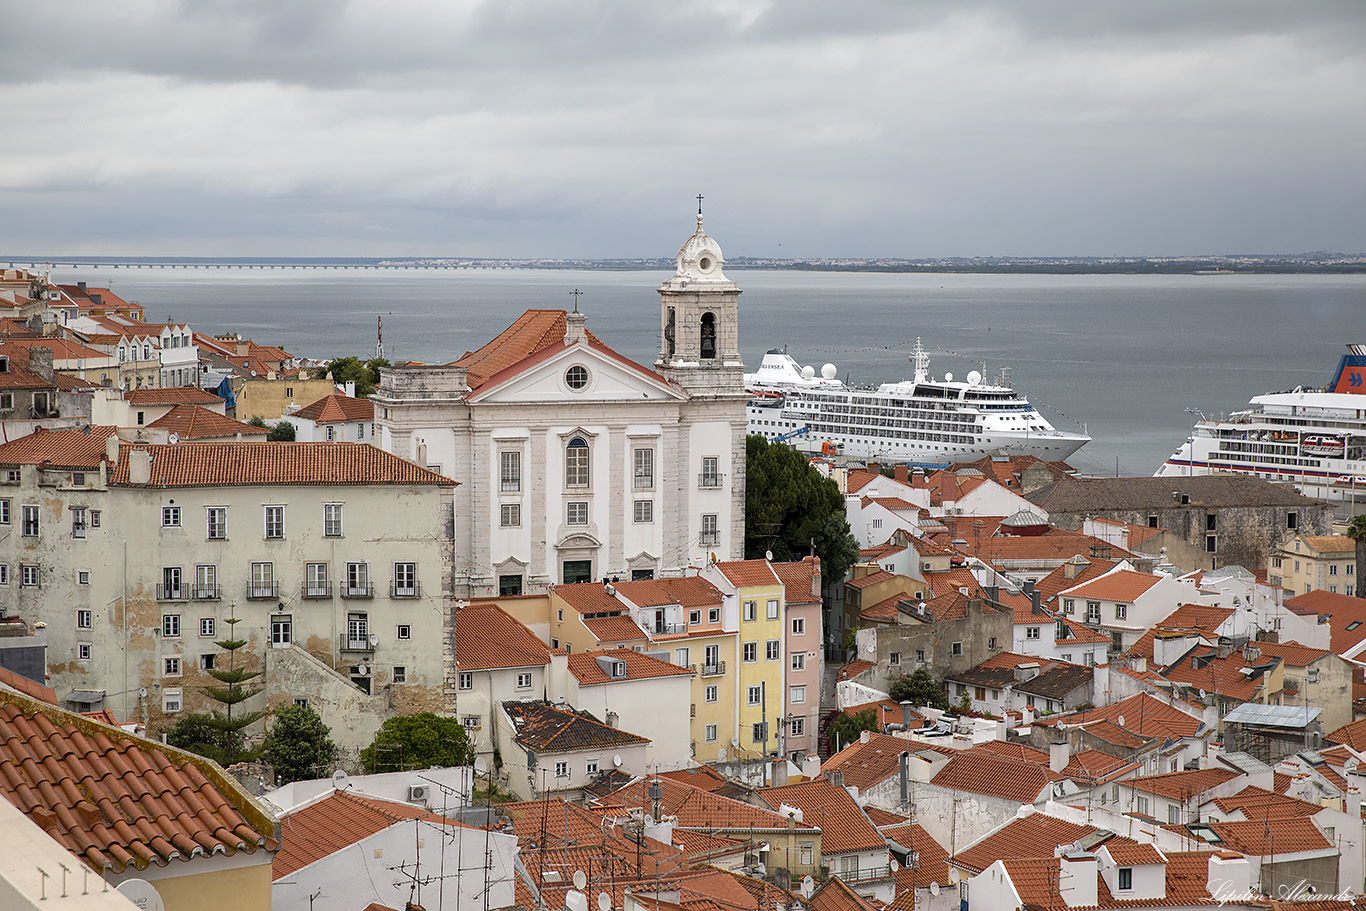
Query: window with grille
[
  {"x": 577, "y": 513},
  {"x": 644, "y": 461},
  {"x": 644, "y": 511},
  {"x": 510, "y": 471},
  {"x": 315, "y": 580},
  {"x": 170, "y": 516},
  {"x": 275, "y": 521},
  {"x": 358, "y": 579},
  {"x": 29, "y": 528},
  {"x": 217, "y": 519},
  {"x": 711, "y": 533},
  {"x": 263, "y": 580},
  {"x": 281, "y": 630},
  {"x": 510, "y": 515},
  {"x": 405, "y": 580},
  {"x": 206, "y": 627},
  {"x": 332, "y": 520},
  {"x": 30, "y": 576}
]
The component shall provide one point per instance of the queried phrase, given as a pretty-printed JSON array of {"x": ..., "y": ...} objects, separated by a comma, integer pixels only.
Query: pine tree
[{"x": 220, "y": 735}]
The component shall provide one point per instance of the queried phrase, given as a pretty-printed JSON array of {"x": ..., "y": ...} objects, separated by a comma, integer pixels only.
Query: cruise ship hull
[{"x": 1314, "y": 440}]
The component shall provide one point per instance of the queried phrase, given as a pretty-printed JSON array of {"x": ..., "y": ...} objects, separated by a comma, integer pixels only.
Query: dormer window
[
  {"x": 4, "y": 365},
  {"x": 708, "y": 335},
  {"x": 618, "y": 669}
]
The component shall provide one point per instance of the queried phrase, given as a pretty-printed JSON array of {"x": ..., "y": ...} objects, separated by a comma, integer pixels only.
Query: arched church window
[
  {"x": 708, "y": 335},
  {"x": 576, "y": 463}
]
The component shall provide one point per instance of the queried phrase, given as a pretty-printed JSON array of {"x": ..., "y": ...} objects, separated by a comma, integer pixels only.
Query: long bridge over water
[{"x": 262, "y": 265}]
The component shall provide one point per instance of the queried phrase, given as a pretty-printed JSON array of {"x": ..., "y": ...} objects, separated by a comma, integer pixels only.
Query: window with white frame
[
  {"x": 773, "y": 608},
  {"x": 510, "y": 472},
  {"x": 755, "y": 695},
  {"x": 83, "y": 651},
  {"x": 4, "y": 511},
  {"x": 405, "y": 580},
  {"x": 358, "y": 580},
  {"x": 644, "y": 469},
  {"x": 772, "y": 650},
  {"x": 749, "y": 652},
  {"x": 30, "y": 576},
  {"x": 1092, "y": 611},
  {"x": 711, "y": 474},
  {"x": 799, "y": 661},
  {"x": 713, "y": 615},
  {"x": 403, "y": 631},
  {"x": 590, "y": 767},
  {"x": 1069, "y": 605},
  {"x": 694, "y": 617},
  {"x": 466, "y": 680},
  {"x": 751, "y": 610},
  {"x": 577, "y": 512},
  {"x": 84, "y": 619},
  {"x": 216, "y": 517},
  {"x": 576, "y": 463},
  {"x": 170, "y": 517},
  {"x": 78, "y": 524},
  {"x": 760, "y": 731},
  {"x": 29, "y": 526},
  {"x": 332, "y": 520},
  {"x": 510, "y": 515},
  {"x": 281, "y": 630},
  {"x": 797, "y": 694},
  {"x": 523, "y": 681},
  {"x": 1121, "y": 611},
  {"x": 710, "y": 733},
  {"x": 170, "y": 626},
  {"x": 207, "y": 627},
  {"x": 712, "y": 694},
  {"x": 798, "y": 626},
  {"x": 798, "y": 727},
  {"x": 275, "y": 521},
  {"x": 644, "y": 511},
  {"x": 171, "y": 701},
  {"x": 1031, "y": 632},
  {"x": 263, "y": 580},
  {"x": 170, "y": 666},
  {"x": 562, "y": 769}
]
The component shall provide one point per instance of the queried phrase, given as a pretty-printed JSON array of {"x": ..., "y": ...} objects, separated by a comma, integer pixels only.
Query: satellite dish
[
  {"x": 894, "y": 865},
  {"x": 142, "y": 894},
  {"x": 828, "y": 371},
  {"x": 362, "y": 670},
  {"x": 173, "y": 438},
  {"x": 374, "y": 639},
  {"x": 580, "y": 880},
  {"x": 808, "y": 372},
  {"x": 934, "y": 889},
  {"x": 808, "y": 886},
  {"x": 974, "y": 377},
  {"x": 604, "y": 902},
  {"x": 872, "y": 647},
  {"x": 481, "y": 765},
  {"x": 768, "y": 555},
  {"x": 616, "y": 761},
  {"x": 338, "y": 779},
  {"x": 1350, "y": 765},
  {"x": 954, "y": 875},
  {"x": 649, "y": 820},
  {"x": 735, "y": 741},
  {"x": 1120, "y": 719}
]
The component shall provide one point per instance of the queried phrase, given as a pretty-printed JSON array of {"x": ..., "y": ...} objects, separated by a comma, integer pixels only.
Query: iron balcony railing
[
  {"x": 317, "y": 589},
  {"x": 405, "y": 591},
  {"x": 364, "y": 590},
  {"x": 262, "y": 591},
  {"x": 349, "y": 643},
  {"x": 206, "y": 592},
  {"x": 711, "y": 480},
  {"x": 172, "y": 593}
]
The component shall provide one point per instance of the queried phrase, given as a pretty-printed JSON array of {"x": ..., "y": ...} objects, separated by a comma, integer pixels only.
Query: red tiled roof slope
[{"x": 230, "y": 464}]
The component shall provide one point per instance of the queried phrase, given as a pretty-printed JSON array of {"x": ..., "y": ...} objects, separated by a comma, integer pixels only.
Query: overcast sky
[{"x": 580, "y": 128}]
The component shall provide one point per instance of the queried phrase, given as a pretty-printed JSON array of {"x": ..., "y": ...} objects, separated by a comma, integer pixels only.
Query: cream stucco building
[{"x": 576, "y": 463}]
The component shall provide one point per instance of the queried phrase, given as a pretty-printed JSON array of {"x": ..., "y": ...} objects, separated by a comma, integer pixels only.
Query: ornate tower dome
[{"x": 700, "y": 321}]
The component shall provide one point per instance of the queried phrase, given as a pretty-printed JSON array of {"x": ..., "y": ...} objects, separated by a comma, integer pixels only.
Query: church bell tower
[{"x": 700, "y": 321}]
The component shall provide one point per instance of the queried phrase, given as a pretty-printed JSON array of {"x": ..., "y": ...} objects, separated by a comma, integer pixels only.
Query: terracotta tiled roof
[
  {"x": 835, "y": 895},
  {"x": 1259, "y": 803},
  {"x": 1123, "y": 585},
  {"x": 532, "y": 331},
  {"x": 1346, "y": 616},
  {"x": 544, "y": 728},
  {"x": 62, "y": 349},
  {"x": 231, "y": 464},
  {"x": 615, "y": 629},
  {"x": 1093, "y": 766},
  {"x": 1090, "y": 567},
  {"x": 699, "y": 809},
  {"x": 1036, "y": 881},
  {"x": 1197, "y": 618},
  {"x": 22, "y": 684},
  {"x": 174, "y": 395},
  {"x": 639, "y": 666},
  {"x": 1035, "y": 835},
  {"x": 858, "y": 479},
  {"x": 1143, "y": 715},
  {"x": 1235, "y": 676},
  {"x": 588, "y": 597},
  {"x": 108, "y": 299},
  {"x": 931, "y": 867},
  {"x": 117, "y": 802},
  {"x": 688, "y": 591},
  {"x": 337, "y": 409},
  {"x": 1292, "y": 653},
  {"x": 1082, "y": 634},
  {"x": 871, "y": 579},
  {"x": 1013, "y": 750},
  {"x": 853, "y": 669},
  {"x": 748, "y": 573},
  {"x": 1138, "y": 493},
  {"x": 1182, "y": 785},
  {"x": 1135, "y": 855},
  {"x": 1329, "y": 544},
  {"x": 337, "y": 821},
  {"x": 59, "y": 448},
  {"x": 708, "y": 779},
  {"x": 798, "y": 580},
  {"x": 1352, "y": 735},
  {"x": 996, "y": 776},
  {"x": 1057, "y": 544},
  {"x": 886, "y": 711},
  {"x": 487, "y": 638},
  {"x": 1254, "y": 838},
  {"x": 193, "y": 422},
  {"x": 843, "y": 826},
  {"x": 103, "y": 716},
  {"x": 885, "y": 611}
]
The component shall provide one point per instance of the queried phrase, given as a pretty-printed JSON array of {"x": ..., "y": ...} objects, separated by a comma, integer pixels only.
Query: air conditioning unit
[{"x": 417, "y": 793}]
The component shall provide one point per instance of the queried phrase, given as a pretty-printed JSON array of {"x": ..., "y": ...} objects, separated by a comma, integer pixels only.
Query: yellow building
[
  {"x": 1305, "y": 563},
  {"x": 760, "y": 672}
]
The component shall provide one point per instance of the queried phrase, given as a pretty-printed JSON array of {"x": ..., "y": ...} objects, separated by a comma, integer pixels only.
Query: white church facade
[{"x": 576, "y": 463}]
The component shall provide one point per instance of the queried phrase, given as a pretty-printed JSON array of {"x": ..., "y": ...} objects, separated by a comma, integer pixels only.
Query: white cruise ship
[
  {"x": 1312, "y": 438},
  {"x": 921, "y": 421}
]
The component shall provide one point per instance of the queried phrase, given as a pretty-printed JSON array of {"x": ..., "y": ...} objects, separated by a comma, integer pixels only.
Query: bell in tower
[{"x": 700, "y": 321}]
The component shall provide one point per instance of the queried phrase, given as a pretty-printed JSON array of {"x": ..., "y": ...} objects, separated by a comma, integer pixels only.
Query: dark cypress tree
[{"x": 221, "y": 735}]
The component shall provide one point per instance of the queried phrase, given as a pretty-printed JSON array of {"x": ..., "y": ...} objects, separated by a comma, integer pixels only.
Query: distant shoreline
[{"x": 1302, "y": 264}]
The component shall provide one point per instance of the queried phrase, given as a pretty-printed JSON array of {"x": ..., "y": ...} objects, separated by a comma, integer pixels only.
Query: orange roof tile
[
  {"x": 532, "y": 331},
  {"x": 1143, "y": 715},
  {"x": 1346, "y": 616},
  {"x": 843, "y": 826},
  {"x": 801, "y": 580},
  {"x": 748, "y": 573},
  {"x": 487, "y": 638},
  {"x": 853, "y": 669},
  {"x": 1236, "y": 676},
  {"x": 885, "y": 611},
  {"x": 547, "y": 728},
  {"x": 242, "y": 463},
  {"x": 1182, "y": 785},
  {"x": 1057, "y": 580},
  {"x": 1013, "y": 750},
  {"x": 1329, "y": 544},
  {"x": 995, "y": 776},
  {"x": 588, "y": 597},
  {"x": 835, "y": 895},
  {"x": 1056, "y": 544},
  {"x": 118, "y": 802},
  {"x": 699, "y": 809},
  {"x": 338, "y": 821},
  {"x": 17, "y": 681},
  {"x": 615, "y": 629},
  {"x": 1135, "y": 855},
  {"x": 1352, "y": 735},
  {"x": 1035, "y": 835},
  {"x": 1197, "y": 618},
  {"x": 1254, "y": 838},
  {"x": 337, "y": 409},
  {"x": 172, "y": 395},
  {"x": 1260, "y": 803},
  {"x": 1292, "y": 653},
  {"x": 59, "y": 448},
  {"x": 871, "y": 579},
  {"x": 1124, "y": 585},
  {"x": 193, "y": 422},
  {"x": 1093, "y": 766},
  {"x": 639, "y": 666}
]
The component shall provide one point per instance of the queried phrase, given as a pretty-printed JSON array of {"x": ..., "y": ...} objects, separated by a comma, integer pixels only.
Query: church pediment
[
  {"x": 582, "y": 372},
  {"x": 578, "y": 539}
]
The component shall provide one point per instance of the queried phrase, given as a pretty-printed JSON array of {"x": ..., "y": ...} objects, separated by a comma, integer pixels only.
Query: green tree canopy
[
  {"x": 417, "y": 742},
  {"x": 919, "y": 689},
  {"x": 1357, "y": 532},
  {"x": 283, "y": 432},
  {"x": 789, "y": 505},
  {"x": 298, "y": 745},
  {"x": 844, "y": 728},
  {"x": 365, "y": 374}
]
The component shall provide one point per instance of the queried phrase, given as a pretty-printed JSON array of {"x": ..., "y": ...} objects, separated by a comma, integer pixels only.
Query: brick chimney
[
  {"x": 918, "y": 479},
  {"x": 900, "y": 473}
]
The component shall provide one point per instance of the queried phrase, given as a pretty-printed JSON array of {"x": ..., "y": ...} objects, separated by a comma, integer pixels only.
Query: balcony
[
  {"x": 172, "y": 593},
  {"x": 667, "y": 629},
  {"x": 709, "y": 538},
  {"x": 364, "y": 590},
  {"x": 708, "y": 480},
  {"x": 405, "y": 591},
  {"x": 317, "y": 589},
  {"x": 348, "y": 643},
  {"x": 694, "y": 711},
  {"x": 205, "y": 593},
  {"x": 865, "y": 874},
  {"x": 710, "y": 670},
  {"x": 262, "y": 591}
]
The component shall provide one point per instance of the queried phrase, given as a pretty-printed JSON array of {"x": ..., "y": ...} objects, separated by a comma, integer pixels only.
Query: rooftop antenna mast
[{"x": 379, "y": 336}]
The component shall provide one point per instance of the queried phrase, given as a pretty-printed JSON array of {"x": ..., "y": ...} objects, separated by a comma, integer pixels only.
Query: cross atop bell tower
[{"x": 700, "y": 320}]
